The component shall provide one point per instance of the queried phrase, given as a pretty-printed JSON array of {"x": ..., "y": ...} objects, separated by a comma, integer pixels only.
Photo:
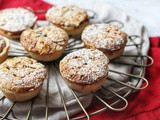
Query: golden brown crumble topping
[
  {"x": 16, "y": 19},
  {"x": 104, "y": 36},
  {"x": 84, "y": 66},
  {"x": 21, "y": 74},
  {"x": 44, "y": 40},
  {"x": 71, "y": 16}
]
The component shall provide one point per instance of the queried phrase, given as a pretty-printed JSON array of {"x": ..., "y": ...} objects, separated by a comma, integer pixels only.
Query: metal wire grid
[{"x": 19, "y": 51}]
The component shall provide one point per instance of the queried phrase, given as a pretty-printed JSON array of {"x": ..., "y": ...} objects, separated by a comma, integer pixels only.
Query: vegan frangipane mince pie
[
  {"x": 105, "y": 37},
  {"x": 4, "y": 47},
  {"x": 15, "y": 20},
  {"x": 46, "y": 43},
  {"x": 85, "y": 70},
  {"x": 70, "y": 18},
  {"x": 21, "y": 78}
]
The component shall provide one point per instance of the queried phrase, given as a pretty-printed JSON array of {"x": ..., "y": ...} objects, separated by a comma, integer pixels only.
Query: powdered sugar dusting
[
  {"x": 84, "y": 66},
  {"x": 71, "y": 16},
  {"x": 21, "y": 74},
  {"x": 16, "y": 19},
  {"x": 44, "y": 40},
  {"x": 104, "y": 36}
]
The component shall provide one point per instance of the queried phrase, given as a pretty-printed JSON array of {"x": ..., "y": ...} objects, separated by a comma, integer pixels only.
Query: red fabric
[{"x": 144, "y": 105}]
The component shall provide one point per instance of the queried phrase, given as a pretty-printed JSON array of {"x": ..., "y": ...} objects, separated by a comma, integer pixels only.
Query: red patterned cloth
[{"x": 144, "y": 105}]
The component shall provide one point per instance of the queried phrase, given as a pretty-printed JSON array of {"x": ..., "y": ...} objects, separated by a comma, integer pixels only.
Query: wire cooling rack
[{"x": 19, "y": 51}]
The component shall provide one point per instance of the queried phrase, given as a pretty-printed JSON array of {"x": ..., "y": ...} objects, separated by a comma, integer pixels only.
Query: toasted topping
[
  {"x": 71, "y": 16},
  {"x": 84, "y": 66},
  {"x": 16, "y": 19},
  {"x": 44, "y": 40},
  {"x": 2, "y": 44},
  {"x": 21, "y": 74},
  {"x": 104, "y": 36}
]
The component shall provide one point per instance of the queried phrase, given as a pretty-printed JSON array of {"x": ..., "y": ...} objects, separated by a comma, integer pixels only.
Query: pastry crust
[
  {"x": 4, "y": 47},
  {"x": 110, "y": 54},
  {"x": 70, "y": 18},
  {"x": 14, "y": 96},
  {"x": 84, "y": 70},
  {"x": 75, "y": 31},
  {"x": 87, "y": 88},
  {"x": 46, "y": 43},
  {"x": 105, "y": 37},
  {"x": 15, "y": 20},
  {"x": 10, "y": 35},
  {"x": 21, "y": 78}
]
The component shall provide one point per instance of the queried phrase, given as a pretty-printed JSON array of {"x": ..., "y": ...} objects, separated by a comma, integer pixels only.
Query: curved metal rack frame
[{"x": 19, "y": 51}]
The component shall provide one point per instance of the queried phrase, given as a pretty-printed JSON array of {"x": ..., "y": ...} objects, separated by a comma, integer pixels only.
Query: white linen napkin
[{"x": 56, "y": 110}]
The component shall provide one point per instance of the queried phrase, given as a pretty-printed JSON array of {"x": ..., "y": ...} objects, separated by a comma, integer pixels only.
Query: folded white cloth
[{"x": 56, "y": 110}]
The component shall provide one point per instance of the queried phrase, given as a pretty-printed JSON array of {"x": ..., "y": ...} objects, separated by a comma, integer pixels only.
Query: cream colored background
[{"x": 145, "y": 11}]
